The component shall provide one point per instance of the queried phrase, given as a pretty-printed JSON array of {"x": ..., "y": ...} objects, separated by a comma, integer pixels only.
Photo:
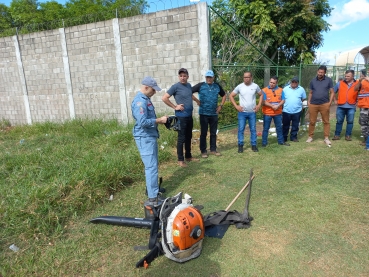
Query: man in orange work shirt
[
  {"x": 273, "y": 99},
  {"x": 346, "y": 101},
  {"x": 363, "y": 103}
]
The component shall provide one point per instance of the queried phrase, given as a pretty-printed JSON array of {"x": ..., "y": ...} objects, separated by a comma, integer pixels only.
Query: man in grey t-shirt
[
  {"x": 247, "y": 109},
  {"x": 182, "y": 93}
]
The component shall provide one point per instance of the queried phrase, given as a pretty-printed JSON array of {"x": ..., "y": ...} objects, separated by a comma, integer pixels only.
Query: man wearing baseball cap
[
  {"x": 146, "y": 133},
  {"x": 209, "y": 109},
  {"x": 182, "y": 93},
  {"x": 292, "y": 107}
]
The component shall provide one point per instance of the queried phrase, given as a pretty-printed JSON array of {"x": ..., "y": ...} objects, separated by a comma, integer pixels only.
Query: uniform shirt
[
  {"x": 293, "y": 99},
  {"x": 208, "y": 96},
  {"x": 320, "y": 89},
  {"x": 346, "y": 105},
  {"x": 183, "y": 95},
  {"x": 144, "y": 113},
  {"x": 247, "y": 96},
  {"x": 273, "y": 96}
]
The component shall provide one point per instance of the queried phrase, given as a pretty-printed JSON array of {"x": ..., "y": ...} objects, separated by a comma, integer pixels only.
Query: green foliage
[
  {"x": 4, "y": 124},
  {"x": 228, "y": 115},
  {"x": 50, "y": 172},
  {"x": 25, "y": 12},
  {"x": 5, "y": 18},
  {"x": 32, "y": 16},
  {"x": 292, "y": 27}
]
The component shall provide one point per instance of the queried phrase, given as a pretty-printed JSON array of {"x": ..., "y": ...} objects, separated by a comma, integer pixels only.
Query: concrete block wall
[
  {"x": 11, "y": 97},
  {"x": 43, "y": 70},
  {"x": 94, "y": 70}
]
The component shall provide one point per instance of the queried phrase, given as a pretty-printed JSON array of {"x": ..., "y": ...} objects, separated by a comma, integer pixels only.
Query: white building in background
[{"x": 354, "y": 57}]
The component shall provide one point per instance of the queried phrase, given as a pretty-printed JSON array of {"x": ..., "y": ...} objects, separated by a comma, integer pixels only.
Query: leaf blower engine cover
[{"x": 183, "y": 230}]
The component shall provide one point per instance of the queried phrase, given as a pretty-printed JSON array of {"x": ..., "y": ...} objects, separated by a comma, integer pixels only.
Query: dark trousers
[
  {"x": 205, "y": 122},
  {"x": 293, "y": 120},
  {"x": 184, "y": 137}
]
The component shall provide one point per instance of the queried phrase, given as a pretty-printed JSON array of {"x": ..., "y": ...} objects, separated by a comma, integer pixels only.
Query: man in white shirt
[{"x": 247, "y": 109}]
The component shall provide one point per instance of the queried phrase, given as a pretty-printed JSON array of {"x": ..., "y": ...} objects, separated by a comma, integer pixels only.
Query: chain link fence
[{"x": 231, "y": 76}]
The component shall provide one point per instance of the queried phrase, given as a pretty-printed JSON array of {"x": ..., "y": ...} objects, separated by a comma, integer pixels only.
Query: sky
[{"x": 349, "y": 23}]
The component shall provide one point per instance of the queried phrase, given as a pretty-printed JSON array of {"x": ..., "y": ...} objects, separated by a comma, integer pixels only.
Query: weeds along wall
[{"x": 94, "y": 70}]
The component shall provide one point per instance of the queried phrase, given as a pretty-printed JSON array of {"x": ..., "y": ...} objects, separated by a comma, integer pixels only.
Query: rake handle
[{"x": 238, "y": 195}]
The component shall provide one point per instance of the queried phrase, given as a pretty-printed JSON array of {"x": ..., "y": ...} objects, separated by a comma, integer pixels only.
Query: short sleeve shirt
[
  {"x": 182, "y": 93},
  {"x": 247, "y": 94},
  {"x": 208, "y": 96},
  {"x": 320, "y": 89},
  {"x": 293, "y": 99}
]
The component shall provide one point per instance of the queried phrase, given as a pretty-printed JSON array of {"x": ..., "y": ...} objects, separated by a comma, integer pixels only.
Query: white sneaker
[
  {"x": 327, "y": 141},
  {"x": 310, "y": 139}
]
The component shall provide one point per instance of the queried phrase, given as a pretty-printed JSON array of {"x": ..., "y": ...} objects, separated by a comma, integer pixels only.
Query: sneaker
[
  {"x": 192, "y": 159},
  {"x": 327, "y": 142},
  {"x": 204, "y": 155},
  {"x": 284, "y": 143},
  {"x": 310, "y": 139},
  {"x": 182, "y": 164},
  {"x": 240, "y": 148},
  {"x": 215, "y": 153},
  {"x": 157, "y": 201},
  {"x": 263, "y": 145},
  {"x": 348, "y": 138},
  {"x": 295, "y": 140},
  {"x": 336, "y": 138},
  {"x": 254, "y": 148},
  {"x": 363, "y": 143}
]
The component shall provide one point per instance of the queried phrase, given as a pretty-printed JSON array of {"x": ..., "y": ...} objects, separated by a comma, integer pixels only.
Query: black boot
[{"x": 240, "y": 148}]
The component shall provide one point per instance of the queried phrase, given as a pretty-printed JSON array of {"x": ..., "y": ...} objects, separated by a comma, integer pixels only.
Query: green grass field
[{"x": 309, "y": 204}]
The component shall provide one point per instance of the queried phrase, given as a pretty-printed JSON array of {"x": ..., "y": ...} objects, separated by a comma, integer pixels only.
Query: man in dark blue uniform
[
  {"x": 208, "y": 111},
  {"x": 145, "y": 133}
]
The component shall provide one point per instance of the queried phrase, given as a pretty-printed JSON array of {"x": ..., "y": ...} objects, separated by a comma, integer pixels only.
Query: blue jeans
[
  {"x": 278, "y": 126},
  {"x": 184, "y": 137},
  {"x": 340, "y": 115},
  {"x": 287, "y": 118},
  {"x": 205, "y": 122},
  {"x": 148, "y": 148},
  {"x": 242, "y": 118},
  {"x": 367, "y": 143}
]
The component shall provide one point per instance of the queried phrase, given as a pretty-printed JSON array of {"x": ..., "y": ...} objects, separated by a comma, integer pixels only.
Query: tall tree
[
  {"x": 5, "y": 18},
  {"x": 293, "y": 28},
  {"x": 25, "y": 12},
  {"x": 52, "y": 10}
]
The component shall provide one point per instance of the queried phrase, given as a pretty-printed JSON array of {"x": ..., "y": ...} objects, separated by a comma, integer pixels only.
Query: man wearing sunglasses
[{"x": 273, "y": 100}]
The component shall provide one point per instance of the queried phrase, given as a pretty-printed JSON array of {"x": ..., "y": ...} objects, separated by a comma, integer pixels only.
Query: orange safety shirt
[
  {"x": 274, "y": 97},
  {"x": 363, "y": 96},
  {"x": 346, "y": 93}
]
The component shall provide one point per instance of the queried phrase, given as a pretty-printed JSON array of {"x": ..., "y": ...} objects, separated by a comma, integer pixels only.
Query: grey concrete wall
[{"x": 94, "y": 70}]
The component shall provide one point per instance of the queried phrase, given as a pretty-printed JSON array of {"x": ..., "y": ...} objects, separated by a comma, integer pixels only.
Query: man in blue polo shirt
[
  {"x": 208, "y": 111},
  {"x": 294, "y": 95}
]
